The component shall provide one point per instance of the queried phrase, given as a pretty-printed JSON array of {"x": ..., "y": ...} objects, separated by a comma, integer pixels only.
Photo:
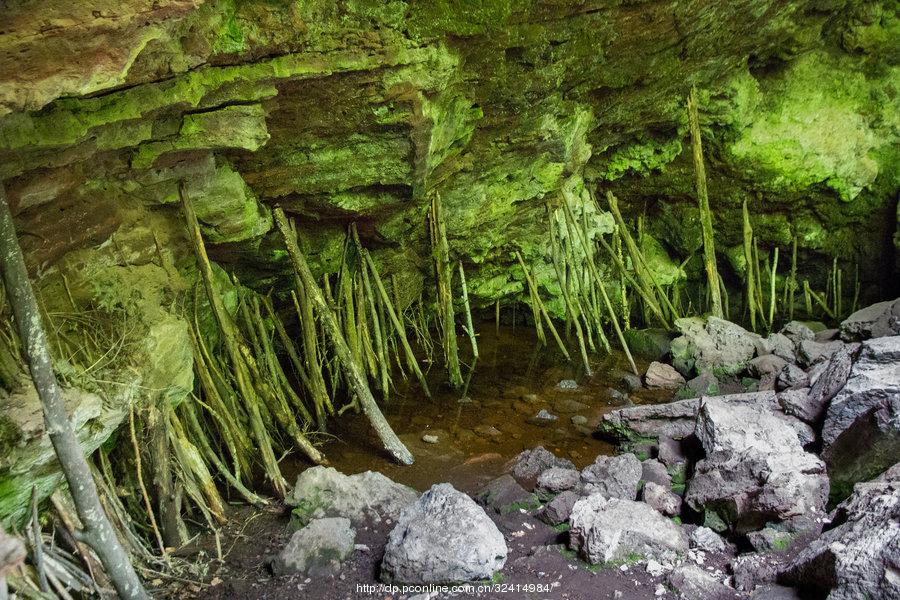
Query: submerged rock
[
  {"x": 325, "y": 492},
  {"x": 861, "y": 434},
  {"x": 443, "y": 538},
  {"x": 859, "y": 556},
  {"x": 755, "y": 468},
  {"x": 608, "y": 529},
  {"x": 318, "y": 549}
]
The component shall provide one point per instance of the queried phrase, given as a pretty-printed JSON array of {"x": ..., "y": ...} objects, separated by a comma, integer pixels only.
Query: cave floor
[{"x": 515, "y": 378}]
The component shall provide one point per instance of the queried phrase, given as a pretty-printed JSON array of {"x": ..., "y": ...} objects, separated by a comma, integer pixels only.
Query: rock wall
[{"x": 359, "y": 110}]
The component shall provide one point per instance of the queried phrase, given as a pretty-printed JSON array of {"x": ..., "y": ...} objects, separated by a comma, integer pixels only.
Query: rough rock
[
  {"x": 791, "y": 377},
  {"x": 691, "y": 582},
  {"x": 558, "y": 510},
  {"x": 325, "y": 492},
  {"x": 810, "y": 352},
  {"x": 704, "y": 384},
  {"x": 779, "y": 345},
  {"x": 531, "y": 463},
  {"x": 861, "y": 434},
  {"x": 798, "y": 331},
  {"x": 631, "y": 382},
  {"x": 752, "y": 570},
  {"x": 755, "y": 468},
  {"x": 504, "y": 494},
  {"x": 707, "y": 540},
  {"x": 878, "y": 320},
  {"x": 558, "y": 479},
  {"x": 670, "y": 453},
  {"x": 716, "y": 345},
  {"x": 797, "y": 403},
  {"x": 443, "y": 538},
  {"x": 655, "y": 471},
  {"x": 567, "y": 385},
  {"x": 318, "y": 549},
  {"x": 859, "y": 556},
  {"x": 770, "y": 539},
  {"x": 773, "y": 591},
  {"x": 662, "y": 499},
  {"x": 609, "y": 529},
  {"x": 768, "y": 364},
  {"x": 827, "y": 335},
  {"x": 662, "y": 376},
  {"x": 673, "y": 420},
  {"x": 613, "y": 476},
  {"x": 649, "y": 344},
  {"x": 830, "y": 382}
]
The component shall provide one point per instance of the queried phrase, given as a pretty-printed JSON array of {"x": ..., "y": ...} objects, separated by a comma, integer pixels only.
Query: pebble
[
  {"x": 567, "y": 384},
  {"x": 430, "y": 439}
]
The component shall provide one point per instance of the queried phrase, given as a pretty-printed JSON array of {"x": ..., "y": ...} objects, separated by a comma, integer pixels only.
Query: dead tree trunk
[{"x": 98, "y": 532}]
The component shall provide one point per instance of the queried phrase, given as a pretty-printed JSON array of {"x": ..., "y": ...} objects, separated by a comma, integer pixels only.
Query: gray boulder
[
  {"x": 755, "y": 468},
  {"x": 753, "y": 570},
  {"x": 780, "y": 345},
  {"x": 672, "y": 420},
  {"x": 662, "y": 376},
  {"x": 797, "y": 403},
  {"x": 608, "y": 529},
  {"x": 325, "y": 492},
  {"x": 558, "y": 510},
  {"x": 613, "y": 476},
  {"x": 531, "y": 463},
  {"x": 879, "y": 320},
  {"x": 767, "y": 364},
  {"x": 704, "y": 384},
  {"x": 810, "y": 352},
  {"x": 715, "y": 345},
  {"x": 504, "y": 495},
  {"x": 859, "y": 557},
  {"x": 557, "y": 479},
  {"x": 662, "y": 499},
  {"x": 861, "y": 434},
  {"x": 653, "y": 470},
  {"x": 791, "y": 377},
  {"x": 318, "y": 549},
  {"x": 693, "y": 583},
  {"x": 831, "y": 381},
  {"x": 670, "y": 453},
  {"x": 798, "y": 331},
  {"x": 707, "y": 540},
  {"x": 443, "y": 538}
]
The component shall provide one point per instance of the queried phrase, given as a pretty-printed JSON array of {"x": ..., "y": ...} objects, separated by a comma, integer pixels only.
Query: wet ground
[{"x": 476, "y": 436}]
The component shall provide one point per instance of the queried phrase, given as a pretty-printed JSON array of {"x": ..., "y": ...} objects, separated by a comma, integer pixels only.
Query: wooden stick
[
  {"x": 444, "y": 276},
  {"x": 748, "y": 259},
  {"x": 772, "y": 296},
  {"x": 542, "y": 308},
  {"x": 465, "y": 296},
  {"x": 411, "y": 361},
  {"x": 143, "y": 488},
  {"x": 709, "y": 248},
  {"x": 603, "y": 294},
  {"x": 233, "y": 343},
  {"x": 354, "y": 375}
]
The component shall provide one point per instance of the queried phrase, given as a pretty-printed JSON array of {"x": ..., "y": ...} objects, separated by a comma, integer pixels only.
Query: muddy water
[{"x": 478, "y": 434}]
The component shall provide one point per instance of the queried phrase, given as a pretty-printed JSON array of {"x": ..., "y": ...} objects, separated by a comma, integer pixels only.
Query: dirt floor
[{"x": 477, "y": 435}]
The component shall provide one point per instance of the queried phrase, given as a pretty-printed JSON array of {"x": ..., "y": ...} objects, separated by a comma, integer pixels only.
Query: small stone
[
  {"x": 558, "y": 510},
  {"x": 613, "y": 476},
  {"x": 579, "y": 420},
  {"x": 791, "y": 377},
  {"x": 654, "y": 471},
  {"x": 567, "y": 384},
  {"x": 662, "y": 499},
  {"x": 531, "y": 463},
  {"x": 430, "y": 439},
  {"x": 557, "y": 479},
  {"x": 707, "y": 540},
  {"x": 543, "y": 418},
  {"x": 662, "y": 376},
  {"x": 318, "y": 549}
]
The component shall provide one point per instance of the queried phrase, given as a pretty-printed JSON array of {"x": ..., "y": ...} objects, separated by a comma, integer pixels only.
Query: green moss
[
  {"x": 641, "y": 158},
  {"x": 562, "y": 528},
  {"x": 819, "y": 123},
  {"x": 462, "y": 17}
]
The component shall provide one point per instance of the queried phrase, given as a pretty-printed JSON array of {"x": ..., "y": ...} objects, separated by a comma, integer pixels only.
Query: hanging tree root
[
  {"x": 444, "y": 277},
  {"x": 353, "y": 373},
  {"x": 709, "y": 248}
]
